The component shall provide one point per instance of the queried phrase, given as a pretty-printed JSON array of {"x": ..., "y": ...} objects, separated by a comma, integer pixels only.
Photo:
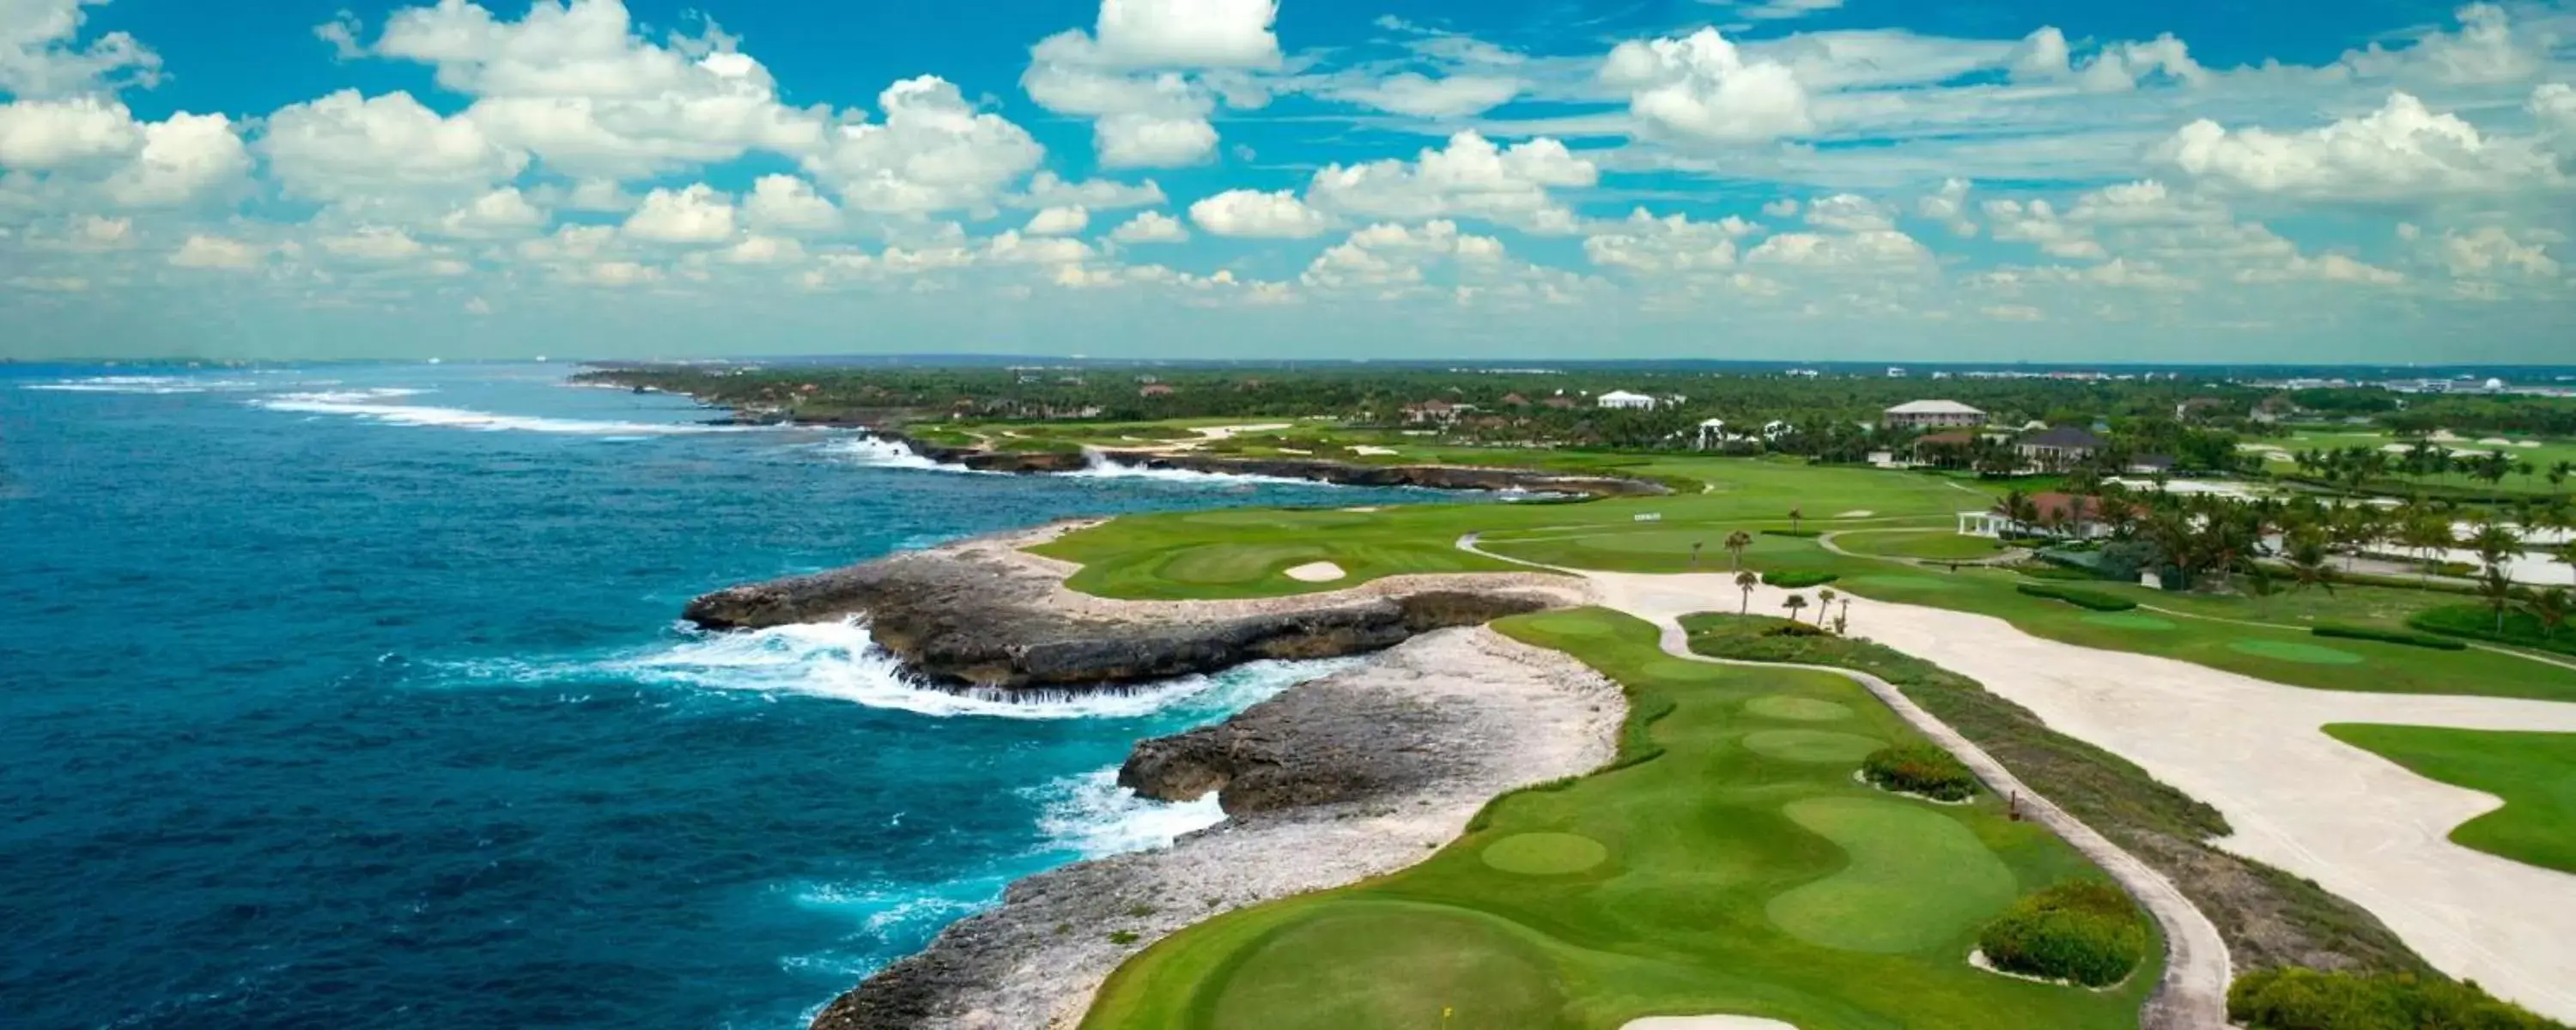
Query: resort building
[
  {"x": 2054, "y": 515},
  {"x": 1927, "y": 414},
  {"x": 1622, "y": 399},
  {"x": 2059, "y": 448}
]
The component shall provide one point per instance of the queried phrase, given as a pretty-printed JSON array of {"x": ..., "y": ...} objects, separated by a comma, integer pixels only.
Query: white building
[
  {"x": 1624, "y": 399},
  {"x": 1713, "y": 435},
  {"x": 1920, "y": 414}
]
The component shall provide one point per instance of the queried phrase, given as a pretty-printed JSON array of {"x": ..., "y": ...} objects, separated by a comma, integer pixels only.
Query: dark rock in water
[
  {"x": 969, "y": 616},
  {"x": 1303, "y": 748}
]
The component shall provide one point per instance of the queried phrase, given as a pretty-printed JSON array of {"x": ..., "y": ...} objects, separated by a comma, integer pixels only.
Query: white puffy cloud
[
  {"x": 375, "y": 244},
  {"x": 2484, "y": 50},
  {"x": 2145, "y": 202},
  {"x": 1185, "y": 34},
  {"x": 1949, "y": 206},
  {"x": 574, "y": 84},
  {"x": 1012, "y": 248},
  {"x": 1701, "y": 88},
  {"x": 2037, "y": 222},
  {"x": 1153, "y": 141},
  {"x": 1673, "y": 243},
  {"x": 2331, "y": 268},
  {"x": 1880, "y": 248},
  {"x": 1849, "y": 213},
  {"x": 2492, "y": 252},
  {"x": 1150, "y": 227},
  {"x": 1471, "y": 177},
  {"x": 219, "y": 252},
  {"x": 764, "y": 250},
  {"x": 2045, "y": 55},
  {"x": 40, "y": 56},
  {"x": 787, "y": 204},
  {"x": 96, "y": 144},
  {"x": 1047, "y": 189},
  {"x": 1058, "y": 221},
  {"x": 1452, "y": 96},
  {"x": 1389, "y": 256},
  {"x": 42, "y": 135},
  {"x": 346, "y": 146},
  {"x": 933, "y": 152},
  {"x": 2402, "y": 149},
  {"x": 1254, "y": 213},
  {"x": 696, "y": 215},
  {"x": 185, "y": 158},
  {"x": 500, "y": 214}
]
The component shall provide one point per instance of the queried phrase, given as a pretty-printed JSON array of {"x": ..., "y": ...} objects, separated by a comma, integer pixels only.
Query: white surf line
[
  {"x": 2361, "y": 826},
  {"x": 2193, "y": 992}
]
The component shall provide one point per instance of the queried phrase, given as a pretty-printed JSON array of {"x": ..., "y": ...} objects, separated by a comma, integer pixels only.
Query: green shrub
[
  {"x": 1795, "y": 629},
  {"x": 2478, "y": 622},
  {"x": 1797, "y": 534},
  {"x": 1920, "y": 769},
  {"x": 2389, "y": 636},
  {"x": 2067, "y": 573},
  {"x": 1798, "y": 580},
  {"x": 2087, "y": 931},
  {"x": 1122, "y": 937},
  {"x": 2095, "y": 600},
  {"x": 2305, "y": 999}
]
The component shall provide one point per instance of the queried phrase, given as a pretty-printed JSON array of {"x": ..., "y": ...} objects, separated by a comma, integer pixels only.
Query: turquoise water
[{"x": 351, "y": 696}]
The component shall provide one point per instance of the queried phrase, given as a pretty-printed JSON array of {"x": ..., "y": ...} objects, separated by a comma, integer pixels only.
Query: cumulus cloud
[
  {"x": 933, "y": 152},
  {"x": 1387, "y": 256},
  {"x": 375, "y": 244},
  {"x": 787, "y": 204},
  {"x": 2045, "y": 55},
  {"x": 1186, "y": 34},
  {"x": 2037, "y": 222},
  {"x": 1453, "y": 96},
  {"x": 1647, "y": 244},
  {"x": 1058, "y": 221},
  {"x": 1949, "y": 207},
  {"x": 2493, "y": 252},
  {"x": 1850, "y": 213},
  {"x": 1133, "y": 74},
  {"x": 218, "y": 252},
  {"x": 346, "y": 146},
  {"x": 1047, "y": 189},
  {"x": 2403, "y": 149},
  {"x": 696, "y": 215},
  {"x": 41, "y": 57},
  {"x": 2484, "y": 50},
  {"x": 1150, "y": 141},
  {"x": 1702, "y": 88},
  {"x": 97, "y": 147},
  {"x": 1876, "y": 249},
  {"x": 43, "y": 135},
  {"x": 185, "y": 158},
  {"x": 1150, "y": 227},
  {"x": 1470, "y": 177},
  {"x": 1257, "y": 214},
  {"x": 2328, "y": 268},
  {"x": 500, "y": 214}
]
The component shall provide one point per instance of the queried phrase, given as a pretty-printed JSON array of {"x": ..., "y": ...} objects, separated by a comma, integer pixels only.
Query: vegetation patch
[
  {"x": 1920, "y": 769},
  {"x": 1795, "y": 534},
  {"x": 2086, "y": 932},
  {"x": 1820, "y": 746},
  {"x": 2127, "y": 620},
  {"x": 1798, "y": 580},
  {"x": 2535, "y": 774},
  {"x": 2389, "y": 636},
  {"x": 1545, "y": 854},
  {"x": 2478, "y": 622},
  {"x": 2093, "y": 599},
  {"x": 1915, "y": 880},
  {"x": 1797, "y": 709},
  {"x": 2305, "y": 999},
  {"x": 1377, "y": 965},
  {"x": 2292, "y": 651}
]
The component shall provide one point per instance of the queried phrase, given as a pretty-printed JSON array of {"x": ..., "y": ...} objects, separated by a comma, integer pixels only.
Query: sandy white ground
[
  {"x": 1366, "y": 450},
  {"x": 1860, "y": 513},
  {"x": 1215, "y": 433},
  {"x": 2359, "y": 825},
  {"x": 1706, "y": 1023},
  {"x": 1317, "y": 572}
]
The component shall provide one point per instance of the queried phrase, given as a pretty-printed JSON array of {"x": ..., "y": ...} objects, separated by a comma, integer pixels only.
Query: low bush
[
  {"x": 1798, "y": 580},
  {"x": 1798, "y": 534},
  {"x": 2305, "y": 999},
  {"x": 2064, "y": 573},
  {"x": 2094, "y": 600},
  {"x": 1795, "y": 629},
  {"x": 2478, "y": 622},
  {"x": 2390, "y": 636},
  {"x": 2088, "y": 932},
  {"x": 1920, "y": 769}
]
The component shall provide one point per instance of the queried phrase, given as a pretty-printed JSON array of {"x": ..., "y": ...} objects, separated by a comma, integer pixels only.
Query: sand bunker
[
  {"x": 1856, "y": 514},
  {"x": 1368, "y": 451},
  {"x": 1317, "y": 572},
  {"x": 1706, "y": 1023}
]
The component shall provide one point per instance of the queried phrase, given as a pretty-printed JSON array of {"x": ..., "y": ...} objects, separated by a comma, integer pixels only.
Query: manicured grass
[
  {"x": 2535, "y": 774},
  {"x": 2479, "y": 622},
  {"x": 1931, "y": 544},
  {"x": 1728, "y": 881}
]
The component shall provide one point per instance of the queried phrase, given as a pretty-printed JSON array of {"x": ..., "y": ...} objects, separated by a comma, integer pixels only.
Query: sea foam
[{"x": 376, "y": 406}]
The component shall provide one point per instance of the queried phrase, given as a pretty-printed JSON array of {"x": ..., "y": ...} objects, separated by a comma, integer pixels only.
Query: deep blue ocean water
[{"x": 343, "y": 696}]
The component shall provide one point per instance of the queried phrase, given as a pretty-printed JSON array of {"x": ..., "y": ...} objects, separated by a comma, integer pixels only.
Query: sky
[{"x": 1993, "y": 180}]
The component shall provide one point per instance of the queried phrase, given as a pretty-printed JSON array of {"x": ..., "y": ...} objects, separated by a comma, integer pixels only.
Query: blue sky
[{"x": 2372, "y": 181}]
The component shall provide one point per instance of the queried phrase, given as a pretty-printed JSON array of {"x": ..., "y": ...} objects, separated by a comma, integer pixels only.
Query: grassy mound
[
  {"x": 2093, "y": 599},
  {"x": 2305, "y": 999},
  {"x": 1920, "y": 769},
  {"x": 1917, "y": 878},
  {"x": 2389, "y": 636},
  {"x": 1798, "y": 580},
  {"x": 2478, "y": 622},
  {"x": 2087, "y": 931}
]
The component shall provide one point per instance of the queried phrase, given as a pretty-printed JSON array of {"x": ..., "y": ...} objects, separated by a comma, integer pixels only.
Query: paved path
[{"x": 2193, "y": 993}]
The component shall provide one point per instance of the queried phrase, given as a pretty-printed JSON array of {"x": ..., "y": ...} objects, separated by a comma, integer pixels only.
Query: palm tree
[
  {"x": 1796, "y": 515},
  {"x": 2550, "y": 607},
  {"x": 1824, "y": 600},
  {"x": 1746, "y": 581},
  {"x": 2494, "y": 543},
  {"x": 1795, "y": 604},
  {"x": 1736, "y": 542},
  {"x": 2427, "y": 533},
  {"x": 2558, "y": 474},
  {"x": 2310, "y": 563}
]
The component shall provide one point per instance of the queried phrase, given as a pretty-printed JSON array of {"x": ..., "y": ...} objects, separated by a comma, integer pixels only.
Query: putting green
[
  {"x": 2127, "y": 620},
  {"x": 2288, "y": 651},
  {"x": 1545, "y": 854},
  {"x": 1228, "y": 563},
  {"x": 1917, "y": 879},
  {"x": 1797, "y": 709},
  {"x": 1386, "y": 965},
  {"x": 1811, "y": 745}
]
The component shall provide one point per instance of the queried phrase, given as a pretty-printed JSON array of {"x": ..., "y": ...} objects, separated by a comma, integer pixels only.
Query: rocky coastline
[
  {"x": 984, "y": 613},
  {"x": 1316, "y": 470},
  {"x": 1334, "y": 781}
]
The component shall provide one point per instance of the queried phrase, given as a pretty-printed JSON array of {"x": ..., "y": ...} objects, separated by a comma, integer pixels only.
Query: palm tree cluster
[{"x": 2353, "y": 468}]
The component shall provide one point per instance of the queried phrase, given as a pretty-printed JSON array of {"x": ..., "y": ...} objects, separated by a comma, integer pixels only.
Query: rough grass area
[
  {"x": 2087, "y": 932},
  {"x": 1928, "y": 771},
  {"x": 2535, "y": 774},
  {"x": 2478, "y": 622},
  {"x": 1693, "y": 875},
  {"x": 2304, "y": 999},
  {"x": 1798, "y": 580},
  {"x": 1926, "y": 545},
  {"x": 2269, "y": 917},
  {"x": 2091, "y": 599},
  {"x": 2389, "y": 636}
]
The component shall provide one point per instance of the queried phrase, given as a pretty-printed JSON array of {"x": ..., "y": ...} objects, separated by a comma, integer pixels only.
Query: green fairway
[
  {"x": 1710, "y": 877},
  {"x": 2293, "y": 651},
  {"x": 2535, "y": 774},
  {"x": 2130, "y": 620},
  {"x": 1942, "y": 544},
  {"x": 1812, "y": 745}
]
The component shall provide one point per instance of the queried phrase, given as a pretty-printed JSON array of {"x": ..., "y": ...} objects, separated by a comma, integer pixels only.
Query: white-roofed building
[
  {"x": 1624, "y": 399},
  {"x": 1927, "y": 414}
]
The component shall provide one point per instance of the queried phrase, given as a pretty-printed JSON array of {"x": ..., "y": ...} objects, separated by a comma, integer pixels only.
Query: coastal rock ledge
[
  {"x": 1359, "y": 774},
  {"x": 983, "y": 613}
]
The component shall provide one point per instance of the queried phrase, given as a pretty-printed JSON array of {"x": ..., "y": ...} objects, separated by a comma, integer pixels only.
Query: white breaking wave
[
  {"x": 1091, "y": 815},
  {"x": 875, "y": 452},
  {"x": 1101, "y": 467},
  {"x": 140, "y": 385},
  {"x": 840, "y": 661},
  {"x": 374, "y": 406}
]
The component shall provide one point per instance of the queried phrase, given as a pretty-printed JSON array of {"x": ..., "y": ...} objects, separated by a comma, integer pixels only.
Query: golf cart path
[
  {"x": 2193, "y": 992},
  {"x": 2361, "y": 826}
]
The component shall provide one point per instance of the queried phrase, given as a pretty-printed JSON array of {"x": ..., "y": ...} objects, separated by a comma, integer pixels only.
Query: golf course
[
  {"x": 2534, "y": 774},
  {"x": 1728, "y": 862}
]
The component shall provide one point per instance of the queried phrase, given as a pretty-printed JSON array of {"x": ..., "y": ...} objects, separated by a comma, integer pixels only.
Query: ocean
[{"x": 341, "y": 696}]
